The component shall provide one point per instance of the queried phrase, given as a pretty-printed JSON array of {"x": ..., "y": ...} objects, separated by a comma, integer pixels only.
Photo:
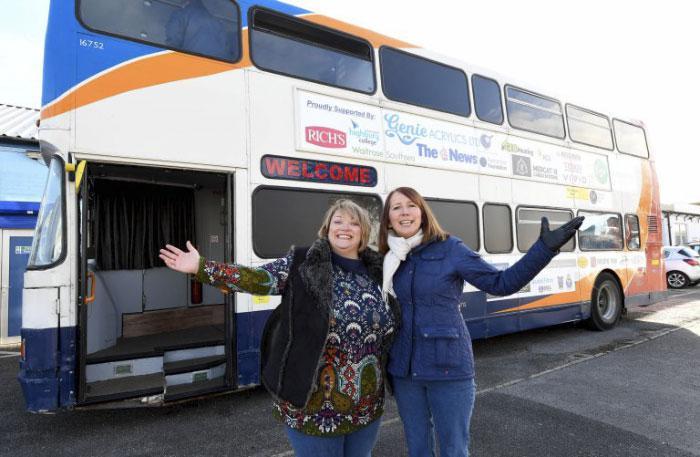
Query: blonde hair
[
  {"x": 429, "y": 223},
  {"x": 355, "y": 211}
]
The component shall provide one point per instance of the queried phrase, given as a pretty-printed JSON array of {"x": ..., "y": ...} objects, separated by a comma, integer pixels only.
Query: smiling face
[
  {"x": 345, "y": 234},
  {"x": 404, "y": 215}
]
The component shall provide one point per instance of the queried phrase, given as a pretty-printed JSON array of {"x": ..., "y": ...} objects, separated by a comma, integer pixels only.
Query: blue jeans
[
  {"x": 427, "y": 407},
  {"x": 356, "y": 444}
]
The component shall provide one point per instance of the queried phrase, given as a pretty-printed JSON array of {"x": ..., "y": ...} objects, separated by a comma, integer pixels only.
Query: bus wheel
[
  {"x": 606, "y": 303},
  {"x": 677, "y": 279}
]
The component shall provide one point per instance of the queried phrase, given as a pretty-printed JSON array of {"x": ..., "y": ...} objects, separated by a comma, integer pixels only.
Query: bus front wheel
[{"x": 606, "y": 303}]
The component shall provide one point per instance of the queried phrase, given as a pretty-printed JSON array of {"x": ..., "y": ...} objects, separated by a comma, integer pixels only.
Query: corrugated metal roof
[{"x": 18, "y": 123}]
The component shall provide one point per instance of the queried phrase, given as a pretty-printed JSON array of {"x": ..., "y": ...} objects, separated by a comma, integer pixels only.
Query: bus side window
[
  {"x": 600, "y": 232},
  {"x": 529, "y": 221},
  {"x": 432, "y": 84},
  {"x": 210, "y": 28},
  {"x": 273, "y": 204},
  {"x": 632, "y": 232},
  {"x": 498, "y": 228},
  {"x": 487, "y": 99},
  {"x": 294, "y": 47},
  {"x": 534, "y": 113},
  {"x": 459, "y": 218}
]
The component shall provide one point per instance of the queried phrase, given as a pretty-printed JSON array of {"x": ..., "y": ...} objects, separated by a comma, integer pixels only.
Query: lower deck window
[
  {"x": 600, "y": 232},
  {"x": 286, "y": 217},
  {"x": 460, "y": 219},
  {"x": 529, "y": 223}
]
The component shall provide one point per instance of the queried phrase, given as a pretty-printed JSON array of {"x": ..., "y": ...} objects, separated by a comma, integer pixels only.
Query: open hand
[
  {"x": 555, "y": 239},
  {"x": 184, "y": 262}
]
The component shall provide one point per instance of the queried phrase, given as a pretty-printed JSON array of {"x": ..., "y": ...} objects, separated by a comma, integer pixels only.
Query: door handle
[{"x": 91, "y": 278}]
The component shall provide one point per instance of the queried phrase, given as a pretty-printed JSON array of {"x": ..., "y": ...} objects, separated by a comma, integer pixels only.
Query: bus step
[
  {"x": 185, "y": 366},
  {"x": 180, "y": 391},
  {"x": 126, "y": 387}
]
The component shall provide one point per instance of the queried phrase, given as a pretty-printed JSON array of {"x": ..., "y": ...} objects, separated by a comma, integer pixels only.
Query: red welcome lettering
[
  {"x": 275, "y": 167},
  {"x": 322, "y": 168},
  {"x": 293, "y": 168},
  {"x": 364, "y": 175},
  {"x": 351, "y": 173},
  {"x": 336, "y": 173}
]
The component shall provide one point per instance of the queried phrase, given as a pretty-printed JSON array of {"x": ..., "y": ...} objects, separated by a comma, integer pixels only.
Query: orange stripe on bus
[
  {"x": 376, "y": 39},
  {"x": 147, "y": 72}
]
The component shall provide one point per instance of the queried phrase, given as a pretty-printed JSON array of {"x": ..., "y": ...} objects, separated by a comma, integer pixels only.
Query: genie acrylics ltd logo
[
  {"x": 408, "y": 132},
  {"x": 326, "y": 137}
]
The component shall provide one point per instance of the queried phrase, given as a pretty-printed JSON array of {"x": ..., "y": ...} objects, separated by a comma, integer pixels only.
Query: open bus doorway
[{"x": 144, "y": 330}]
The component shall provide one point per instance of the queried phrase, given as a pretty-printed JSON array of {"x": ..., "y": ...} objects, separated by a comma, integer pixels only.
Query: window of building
[
  {"x": 600, "y": 232},
  {"x": 460, "y": 219},
  {"x": 284, "y": 217},
  {"x": 529, "y": 221},
  {"x": 534, "y": 113},
  {"x": 411, "y": 79},
  {"x": 209, "y": 28},
  {"x": 487, "y": 99},
  {"x": 630, "y": 139},
  {"x": 498, "y": 229},
  {"x": 632, "y": 239},
  {"x": 294, "y": 47},
  {"x": 589, "y": 128}
]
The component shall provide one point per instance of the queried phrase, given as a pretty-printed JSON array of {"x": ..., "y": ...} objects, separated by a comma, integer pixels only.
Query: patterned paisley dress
[{"x": 349, "y": 392}]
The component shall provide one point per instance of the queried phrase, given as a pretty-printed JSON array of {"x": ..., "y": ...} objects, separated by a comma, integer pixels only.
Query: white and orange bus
[{"x": 235, "y": 124}]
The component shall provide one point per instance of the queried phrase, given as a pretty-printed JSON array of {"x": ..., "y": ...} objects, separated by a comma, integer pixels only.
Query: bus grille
[{"x": 653, "y": 224}]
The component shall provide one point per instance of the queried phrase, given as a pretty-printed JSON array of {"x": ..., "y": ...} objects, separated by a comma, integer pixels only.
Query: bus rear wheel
[{"x": 606, "y": 303}]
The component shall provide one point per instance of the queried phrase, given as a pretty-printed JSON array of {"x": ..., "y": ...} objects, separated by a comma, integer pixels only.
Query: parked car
[
  {"x": 695, "y": 245},
  {"x": 682, "y": 266}
]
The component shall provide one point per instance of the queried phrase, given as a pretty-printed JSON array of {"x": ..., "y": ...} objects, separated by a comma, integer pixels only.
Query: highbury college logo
[{"x": 326, "y": 137}]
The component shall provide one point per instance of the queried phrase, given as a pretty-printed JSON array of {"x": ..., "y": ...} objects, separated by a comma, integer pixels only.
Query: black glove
[{"x": 555, "y": 239}]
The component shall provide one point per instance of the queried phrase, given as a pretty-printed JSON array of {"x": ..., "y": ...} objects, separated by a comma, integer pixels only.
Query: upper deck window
[
  {"x": 487, "y": 99},
  {"x": 589, "y": 128},
  {"x": 630, "y": 139},
  {"x": 409, "y": 78},
  {"x": 294, "y": 47},
  {"x": 534, "y": 113},
  {"x": 210, "y": 28}
]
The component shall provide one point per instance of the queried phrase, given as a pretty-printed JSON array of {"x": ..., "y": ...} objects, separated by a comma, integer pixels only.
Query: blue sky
[
  {"x": 22, "y": 29},
  {"x": 630, "y": 58}
]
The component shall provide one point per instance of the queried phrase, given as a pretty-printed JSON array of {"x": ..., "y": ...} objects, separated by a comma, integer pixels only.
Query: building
[
  {"x": 681, "y": 223},
  {"x": 22, "y": 179}
]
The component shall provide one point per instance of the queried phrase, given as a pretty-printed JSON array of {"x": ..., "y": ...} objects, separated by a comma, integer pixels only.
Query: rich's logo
[{"x": 326, "y": 137}]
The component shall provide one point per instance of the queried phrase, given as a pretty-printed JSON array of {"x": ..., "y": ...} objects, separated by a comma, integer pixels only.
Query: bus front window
[{"x": 47, "y": 246}]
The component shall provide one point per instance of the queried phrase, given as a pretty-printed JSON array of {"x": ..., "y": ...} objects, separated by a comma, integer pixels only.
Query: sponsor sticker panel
[{"x": 351, "y": 129}]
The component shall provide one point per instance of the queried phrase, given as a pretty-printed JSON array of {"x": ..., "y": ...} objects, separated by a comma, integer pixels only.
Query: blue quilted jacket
[{"x": 433, "y": 342}]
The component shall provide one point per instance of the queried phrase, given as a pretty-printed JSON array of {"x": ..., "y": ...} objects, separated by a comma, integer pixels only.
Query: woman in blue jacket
[{"x": 431, "y": 362}]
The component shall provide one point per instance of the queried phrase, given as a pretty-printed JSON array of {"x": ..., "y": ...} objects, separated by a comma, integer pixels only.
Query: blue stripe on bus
[
  {"x": 47, "y": 374},
  {"x": 67, "y": 63},
  {"x": 37, "y": 371}
]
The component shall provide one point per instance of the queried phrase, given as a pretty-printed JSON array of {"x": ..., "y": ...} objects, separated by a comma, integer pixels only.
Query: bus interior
[{"x": 148, "y": 330}]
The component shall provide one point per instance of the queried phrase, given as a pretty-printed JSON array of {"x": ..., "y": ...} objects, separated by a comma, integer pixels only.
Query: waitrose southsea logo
[{"x": 326, "y": 137}]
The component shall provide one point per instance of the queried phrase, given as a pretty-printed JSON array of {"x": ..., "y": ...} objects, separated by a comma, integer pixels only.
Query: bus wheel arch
[{"x": 607, "y": 301}]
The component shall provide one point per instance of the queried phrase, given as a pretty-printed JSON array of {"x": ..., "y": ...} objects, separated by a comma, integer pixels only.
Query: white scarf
[{"x": 399, "y": 248}]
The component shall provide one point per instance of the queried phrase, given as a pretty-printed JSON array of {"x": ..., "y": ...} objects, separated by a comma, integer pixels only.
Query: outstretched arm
[
  {"x": 473, "y": 269},
  {"x": 268, "y": 279}
]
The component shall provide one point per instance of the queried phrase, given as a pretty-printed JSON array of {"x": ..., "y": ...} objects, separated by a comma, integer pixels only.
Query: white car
[{"x": 682, "y": 266}]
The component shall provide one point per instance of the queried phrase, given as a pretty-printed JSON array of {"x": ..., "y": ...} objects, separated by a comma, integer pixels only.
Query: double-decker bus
[{"x": 234, "y": 125}]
